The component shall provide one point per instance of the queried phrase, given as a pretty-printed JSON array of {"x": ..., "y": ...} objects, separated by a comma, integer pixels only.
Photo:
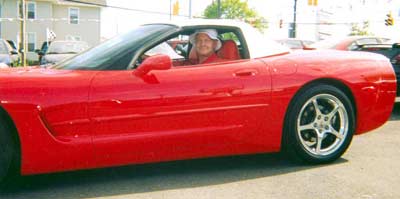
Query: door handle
[
  {"x": 222, "y": 90},
  {"x": 247, "y": 72}
]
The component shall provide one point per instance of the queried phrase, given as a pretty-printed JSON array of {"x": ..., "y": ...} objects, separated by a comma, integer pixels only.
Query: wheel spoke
[
  {"x": 319, "y": 143},
  {"x": 335, "y": 133},
  {"x": 333, "y": 112},
  {"x": 317, "y": 110},
  {"x": 306, "y": 127}
]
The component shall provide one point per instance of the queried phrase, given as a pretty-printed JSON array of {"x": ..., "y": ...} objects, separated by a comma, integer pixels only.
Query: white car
[
  {"x": 8, "y": 56},
  {"x": 60, "y": 50}
]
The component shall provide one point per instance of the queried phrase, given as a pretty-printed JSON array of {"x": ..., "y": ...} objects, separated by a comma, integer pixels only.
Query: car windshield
[
  {"x": 116, "y": 53},
  {"x": 65, "y": 47},
  {"x": 165, "y": 49}
]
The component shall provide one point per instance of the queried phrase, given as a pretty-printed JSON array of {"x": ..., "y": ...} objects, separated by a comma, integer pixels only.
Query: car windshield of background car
[
  {"x": 112, "y": 54},
  {"x": 67, "y": 47}
]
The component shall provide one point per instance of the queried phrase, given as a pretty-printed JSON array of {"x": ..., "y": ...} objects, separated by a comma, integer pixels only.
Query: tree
[
  {"x": 357, "y": 30},
  {"x": 236, "y": 9}
]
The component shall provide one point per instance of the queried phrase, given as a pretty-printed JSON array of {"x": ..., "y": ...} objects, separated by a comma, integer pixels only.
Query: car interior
[{"x": 233, "y": 46}]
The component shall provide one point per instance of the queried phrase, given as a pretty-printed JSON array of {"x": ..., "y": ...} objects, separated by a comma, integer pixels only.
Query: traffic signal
[
  {"x": 389, "y": 20},
  {"x": 313, "y": 2},
  {"x": 280, "y": 23},
  {"x": 175, "y": 9}
]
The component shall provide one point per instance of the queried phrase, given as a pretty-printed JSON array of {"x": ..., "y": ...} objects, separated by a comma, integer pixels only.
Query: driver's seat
[{"x": 229, "y": 50}]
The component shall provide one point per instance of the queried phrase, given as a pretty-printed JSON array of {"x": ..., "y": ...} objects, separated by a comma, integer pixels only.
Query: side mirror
[
  {"x": 156, "y": 62},
  {"x": 14, "y": 52}
]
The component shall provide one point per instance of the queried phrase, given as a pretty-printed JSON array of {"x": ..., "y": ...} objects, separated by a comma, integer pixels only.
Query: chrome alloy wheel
[{"x": 322, "y": 124}]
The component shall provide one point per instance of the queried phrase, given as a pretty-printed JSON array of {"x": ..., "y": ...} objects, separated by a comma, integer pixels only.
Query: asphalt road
[{"x": 369, "y": 169}]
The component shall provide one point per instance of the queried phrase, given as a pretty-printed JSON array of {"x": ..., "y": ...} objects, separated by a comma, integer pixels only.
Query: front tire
[
  {"x": 319, "y": 124},
  {"x": 8, "y": 154}
]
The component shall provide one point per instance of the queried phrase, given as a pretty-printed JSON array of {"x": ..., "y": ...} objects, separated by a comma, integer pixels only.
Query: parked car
[
  {"x": 391, "y": 51},
  {"x": 60, "y": 50},
  {"x": 348, "y": 43},
  {"x": 14, "y": 50},
  {"x": 295, "y": 44},
  {"x": 114, "y": 105},
  {"x": 8, "y": 56}
]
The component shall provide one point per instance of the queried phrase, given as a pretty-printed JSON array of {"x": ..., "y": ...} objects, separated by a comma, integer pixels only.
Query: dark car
[{"x": 391, "y": 51}]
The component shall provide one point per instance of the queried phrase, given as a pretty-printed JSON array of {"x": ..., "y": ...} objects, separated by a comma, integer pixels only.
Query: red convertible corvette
[{"x": 118, "y": 104}]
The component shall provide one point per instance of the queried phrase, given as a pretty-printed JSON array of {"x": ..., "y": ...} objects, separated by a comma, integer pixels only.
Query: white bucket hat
[{"x": 212, "y": 33}]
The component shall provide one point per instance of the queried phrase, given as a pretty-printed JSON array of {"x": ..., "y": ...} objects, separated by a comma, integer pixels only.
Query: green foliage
[
  {"x": 229, "y": 36},
  {"x": 236, "y": 9},
  {"x": 356, "y": 30}
]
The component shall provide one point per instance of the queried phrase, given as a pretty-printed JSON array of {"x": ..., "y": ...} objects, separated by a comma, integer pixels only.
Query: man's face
[{"x": 204, "y": 45}]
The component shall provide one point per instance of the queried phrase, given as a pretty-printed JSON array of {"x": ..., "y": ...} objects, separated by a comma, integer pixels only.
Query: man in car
[{"x": 205, "y": 44}]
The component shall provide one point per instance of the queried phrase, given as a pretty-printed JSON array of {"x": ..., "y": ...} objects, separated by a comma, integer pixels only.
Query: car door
[{"x": 183, "y": 112}]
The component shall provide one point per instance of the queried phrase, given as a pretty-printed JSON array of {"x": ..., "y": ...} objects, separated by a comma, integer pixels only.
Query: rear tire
[{"x": 319, "y": 124}]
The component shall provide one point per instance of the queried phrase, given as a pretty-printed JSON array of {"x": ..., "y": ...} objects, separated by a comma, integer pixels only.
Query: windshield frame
[{"x": 118, "y": 52}]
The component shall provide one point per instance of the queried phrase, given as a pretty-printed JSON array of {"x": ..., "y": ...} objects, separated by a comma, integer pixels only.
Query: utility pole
[
  {"x": 190, "y": 9},
  {"x": 219, "y": 9},
  {"x": 22, "y": 31},
  {"x": 293, "y": 31},
  {"x": 170, "y": 9}
]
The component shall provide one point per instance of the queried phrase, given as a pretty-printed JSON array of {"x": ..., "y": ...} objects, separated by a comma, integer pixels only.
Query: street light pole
[
  {"x": 170, "y": 9},
  {"x": 22, "y": 32},
  {"x": 190, "y": 9}
]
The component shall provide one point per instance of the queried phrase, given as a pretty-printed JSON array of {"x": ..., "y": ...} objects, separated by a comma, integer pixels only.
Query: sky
[{"x": 116, "y": 21}]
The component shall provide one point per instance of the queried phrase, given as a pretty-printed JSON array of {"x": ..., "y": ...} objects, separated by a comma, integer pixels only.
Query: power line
[{"x": 123, "y": 8}]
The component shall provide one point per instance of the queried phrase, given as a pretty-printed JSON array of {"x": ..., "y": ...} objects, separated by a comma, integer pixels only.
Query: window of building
[
  {"x": 74, "y": 15},
  {"x": 31, "y": 41},
  {"x": 73, "y": 38},
  {"x": 31, "y": 10}
]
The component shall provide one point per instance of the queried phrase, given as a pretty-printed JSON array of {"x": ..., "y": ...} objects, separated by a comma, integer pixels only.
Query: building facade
[{"x": 67, "y": 20}]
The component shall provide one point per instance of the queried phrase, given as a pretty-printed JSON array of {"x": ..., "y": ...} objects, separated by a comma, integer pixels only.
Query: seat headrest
[{"x": 229, "y": 50}]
